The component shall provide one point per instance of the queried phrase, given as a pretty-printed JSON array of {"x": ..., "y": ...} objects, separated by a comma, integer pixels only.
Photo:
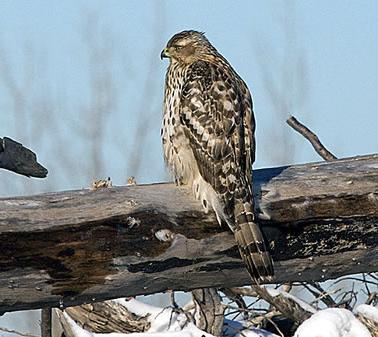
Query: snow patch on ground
[
  {"x": 332, "y": 322},
  {"x": 256, "y": 333},
  {"x": 368, "y": 311},
  {"x": 165, "y": 322},
  {"x": 168, "y": 322},
  {"x": 156, "y": 330}
]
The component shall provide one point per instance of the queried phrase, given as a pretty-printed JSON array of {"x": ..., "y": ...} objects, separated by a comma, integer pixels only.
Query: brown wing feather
[
  {"x": 216, "y": 111},
  {"x": 210, "y": 126}
]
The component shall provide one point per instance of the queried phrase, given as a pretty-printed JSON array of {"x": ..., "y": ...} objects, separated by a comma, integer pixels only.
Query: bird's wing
[
  {"x": 212, "y": 115},
  {"x": 249, "y": 126}
]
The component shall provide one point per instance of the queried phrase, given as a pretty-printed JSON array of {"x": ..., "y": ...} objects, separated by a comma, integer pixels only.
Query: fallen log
[{"x": 69, "y": 248}]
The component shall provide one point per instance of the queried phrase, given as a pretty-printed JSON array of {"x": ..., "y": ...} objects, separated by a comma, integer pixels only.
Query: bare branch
[
  {"x": 244, "y": 291},
  {"x": 323, "y": 295},
  {"x": 372, "y": 299},
  {"x": 237, "y": 298},
  {"x": 46, "y": 321},
  {"x": 311, "y": 137},
  {"x": 285, "y": 305},
  {"x": 209, "y": 310},
  {"x": 68, "y": 331},
  {"x": 17, "y": 158},
  {"x": 107, "y": 317}
]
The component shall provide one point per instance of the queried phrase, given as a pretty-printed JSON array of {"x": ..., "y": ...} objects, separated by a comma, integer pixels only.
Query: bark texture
[
  {"x": 108, "y": 317},
  {"x": 68, "y": 248},
  {"x": 209, "y": 310}
]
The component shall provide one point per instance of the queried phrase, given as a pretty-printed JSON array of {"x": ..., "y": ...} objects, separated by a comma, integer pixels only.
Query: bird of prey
[{"x": 208, "y": 140}]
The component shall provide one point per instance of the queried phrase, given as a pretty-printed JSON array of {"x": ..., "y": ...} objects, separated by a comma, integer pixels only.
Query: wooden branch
[
  {"x": 108, "y": 317},
  {"x": 371, "y": 325},
  {"x": 209, "y": 311},
  {"x": 67, "y": 248},
  {"x": 46, "y": 320},
  {"x": 311, "y": 137},
  {"x": 286, "y": 306},
  {"x": 66, "y": 327},
  {"x": 17, "y": 158}
]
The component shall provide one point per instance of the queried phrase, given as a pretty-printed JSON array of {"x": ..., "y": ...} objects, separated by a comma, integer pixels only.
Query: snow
[
  {"x": 156, "y": 330},
  {"x": 137, "y": 307},
  {"x": 255, "y": 333},
  {"x": 165, "y": 322},
  {"x": 332, "y": 322},
  {"x": 368, "y": 311}
]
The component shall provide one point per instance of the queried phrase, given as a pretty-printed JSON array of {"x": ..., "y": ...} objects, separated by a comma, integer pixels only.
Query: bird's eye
[{"x": 178, "y": 47}]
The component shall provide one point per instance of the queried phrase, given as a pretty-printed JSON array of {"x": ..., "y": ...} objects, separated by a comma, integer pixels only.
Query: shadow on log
[{"x": 67, "y": 248}]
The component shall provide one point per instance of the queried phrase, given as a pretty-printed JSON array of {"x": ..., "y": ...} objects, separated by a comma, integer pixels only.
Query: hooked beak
[{"x": 164, "y": 53}]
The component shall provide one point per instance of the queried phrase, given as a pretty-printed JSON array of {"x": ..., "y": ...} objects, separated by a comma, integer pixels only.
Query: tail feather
[{"x": 251, "y": 244}]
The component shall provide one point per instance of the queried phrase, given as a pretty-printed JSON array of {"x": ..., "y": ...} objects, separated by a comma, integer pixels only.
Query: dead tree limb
[
  {"x": 17, "y": 158},
  {"x": 311, "y": 137},
  {"x": 209, "y": 310},
  {"x": 46, "y": 319},
  {"x": 108, "y": 317},
  {"x": 67, "y": 248},
  {"x": 66, "y": 327}
]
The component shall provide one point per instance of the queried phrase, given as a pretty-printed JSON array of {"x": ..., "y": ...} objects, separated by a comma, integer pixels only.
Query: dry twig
[
  {"x": 209, "y": 311},
  {"x": 238, "y": 299},
  {"x": 243, "y": 291},
  {"x": 371, "y": 325},
  {"x": 372, "y": 299},
  {"x": 323, "y": 295},
  {"x": 311, "y": 137}
]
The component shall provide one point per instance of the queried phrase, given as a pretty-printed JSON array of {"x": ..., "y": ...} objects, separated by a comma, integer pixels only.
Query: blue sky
[{"x": 315, "y": 59}]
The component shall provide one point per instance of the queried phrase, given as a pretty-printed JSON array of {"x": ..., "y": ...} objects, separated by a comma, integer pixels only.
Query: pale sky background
[{"x": 315, "y": 59}]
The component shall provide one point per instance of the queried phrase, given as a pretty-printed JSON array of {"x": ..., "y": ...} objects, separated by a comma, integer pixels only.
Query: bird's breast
[{"x": 177, "y": 152}]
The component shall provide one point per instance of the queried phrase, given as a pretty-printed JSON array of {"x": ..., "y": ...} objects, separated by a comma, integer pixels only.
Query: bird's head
[{"x": 187, "y": 47}]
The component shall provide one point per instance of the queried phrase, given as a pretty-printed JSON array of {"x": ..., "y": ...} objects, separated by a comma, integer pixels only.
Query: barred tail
[{"x": 251, "y": 243}]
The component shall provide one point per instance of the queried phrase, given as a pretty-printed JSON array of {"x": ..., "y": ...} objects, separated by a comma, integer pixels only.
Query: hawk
[{"x": 208, "y": 140}]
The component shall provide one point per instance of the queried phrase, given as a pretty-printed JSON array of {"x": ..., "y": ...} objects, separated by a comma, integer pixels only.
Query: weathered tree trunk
[{"x": 67, "y": 248}]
